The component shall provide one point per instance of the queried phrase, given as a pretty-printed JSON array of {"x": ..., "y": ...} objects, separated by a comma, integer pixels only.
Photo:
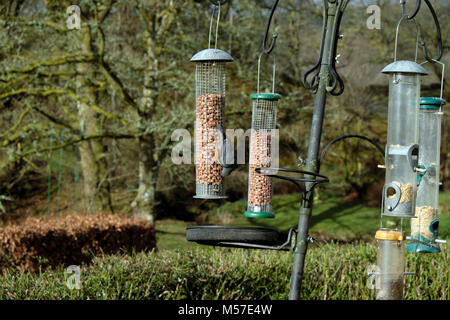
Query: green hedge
[{"x": 332, "y": 272}]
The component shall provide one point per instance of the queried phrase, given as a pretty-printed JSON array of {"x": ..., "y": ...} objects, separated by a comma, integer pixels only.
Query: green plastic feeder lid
[
  {"x": 429, "y": 103},
  {"x": 265, "y": 96}
]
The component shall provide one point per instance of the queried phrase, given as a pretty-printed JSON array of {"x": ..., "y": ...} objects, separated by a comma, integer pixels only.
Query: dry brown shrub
[{"x": 72, "y": 239}]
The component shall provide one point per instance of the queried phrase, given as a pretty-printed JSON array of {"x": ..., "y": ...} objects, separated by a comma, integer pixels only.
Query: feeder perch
[
  {"x": 402, "y": 147},
  {"x": 424, "y": 229},
  {"x": 260, "y": 188}
]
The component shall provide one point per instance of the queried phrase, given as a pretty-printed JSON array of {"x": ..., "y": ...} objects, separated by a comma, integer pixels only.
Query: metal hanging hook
[
  {"x": 219, "y": 4},
  {"x": 274, "y": 36}
]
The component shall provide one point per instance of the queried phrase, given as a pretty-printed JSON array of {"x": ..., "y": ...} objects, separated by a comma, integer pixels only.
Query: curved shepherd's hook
[
  {"x": 439, "y": 37},
  {"x": 274, "y": 36},
  {"x": 436, "y": 22},
  {"x": 415, "y": 12}
]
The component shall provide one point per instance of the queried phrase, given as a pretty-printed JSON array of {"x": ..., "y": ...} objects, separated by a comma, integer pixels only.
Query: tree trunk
[
  {"x": 93, "y": 157},
  {"x": 145, "y": 201}
]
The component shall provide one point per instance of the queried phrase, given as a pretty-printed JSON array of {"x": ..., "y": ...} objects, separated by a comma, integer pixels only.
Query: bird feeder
[
  {"x": 402, "y": 147},
  {"x": 424, "y": 229},
  {"x": 210, "y": 80},
  {"x": 390, "y": 261},
  {"x": 260, "y": 189}
]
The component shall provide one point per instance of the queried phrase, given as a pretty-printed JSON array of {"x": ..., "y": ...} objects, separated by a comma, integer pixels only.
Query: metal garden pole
[{"x": 312, "y": 164}]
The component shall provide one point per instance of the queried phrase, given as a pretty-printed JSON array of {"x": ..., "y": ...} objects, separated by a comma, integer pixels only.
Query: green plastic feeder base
[
  {"x": 422, "y": 248},
  {"x": 420, "y": 244},
  {"x": 250, "y": 214}
]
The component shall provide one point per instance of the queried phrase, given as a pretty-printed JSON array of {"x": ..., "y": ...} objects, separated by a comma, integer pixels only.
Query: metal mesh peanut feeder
[
  {"x": 210, "y": 80},
  {"x": 260, "y": 189}
]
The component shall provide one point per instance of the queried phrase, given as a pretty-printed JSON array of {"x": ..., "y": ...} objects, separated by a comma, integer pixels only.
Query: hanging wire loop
[
  {"x": 418, "y": 34},
  {"x": 218, "y": 2},
  {"x": 268, "y": 50}
]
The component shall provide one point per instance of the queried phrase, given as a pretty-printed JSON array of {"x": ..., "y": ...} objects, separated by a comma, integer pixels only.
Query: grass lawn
[
  {"x": 171, "y": 235},
  {"x": 332, "y": 219},
  {"x": 331, "y": 272}
]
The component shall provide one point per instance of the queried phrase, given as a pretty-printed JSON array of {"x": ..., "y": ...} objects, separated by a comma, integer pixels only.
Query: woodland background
[{"x": 86, "y": 116}]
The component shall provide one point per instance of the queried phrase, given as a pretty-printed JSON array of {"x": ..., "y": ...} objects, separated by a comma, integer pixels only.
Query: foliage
[{"x": 123, "y": 83}]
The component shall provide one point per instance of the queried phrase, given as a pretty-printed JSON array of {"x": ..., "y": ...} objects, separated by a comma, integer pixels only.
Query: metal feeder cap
[
  {"x": 211, "y": 55},
  {"x": 431, "y": 103},
  {"x": 404, "y": 66},
  {"x": 265, "y": 96},
  {"x": 386, "y": 234}
]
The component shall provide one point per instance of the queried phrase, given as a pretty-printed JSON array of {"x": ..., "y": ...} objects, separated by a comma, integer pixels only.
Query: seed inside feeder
[
  {"x": 260, "y": 186},
  {"x": 210, "y": 115},
  {"x": 421, "y": 225},
  {"x": 406, "y": 192}
]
